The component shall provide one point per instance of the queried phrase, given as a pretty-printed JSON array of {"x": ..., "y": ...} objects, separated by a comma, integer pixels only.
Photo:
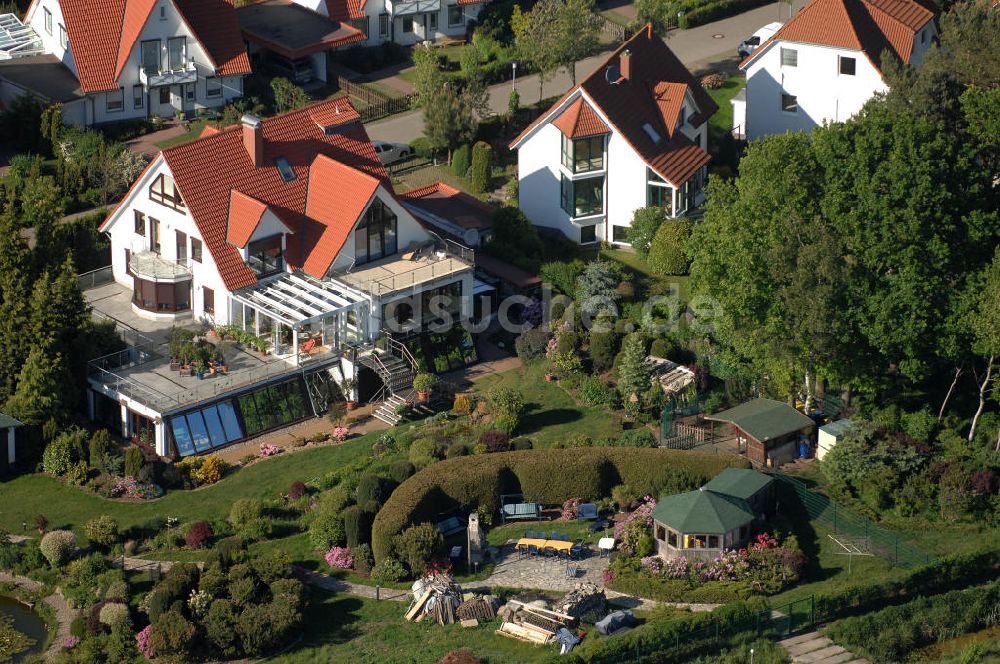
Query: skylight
[
  {"x": 653, "y": 136},
  {"x": 285, "y": 169}
]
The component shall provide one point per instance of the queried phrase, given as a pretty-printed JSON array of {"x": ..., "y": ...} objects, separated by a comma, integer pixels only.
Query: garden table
[
  {"x": 606, "y": 544},
  {"x": 525, "y": 542},
  {"x": 559, "y": 545}
]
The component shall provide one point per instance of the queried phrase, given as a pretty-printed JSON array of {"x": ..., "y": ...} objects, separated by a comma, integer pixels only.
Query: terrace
[{"x": 409, "y": 269}]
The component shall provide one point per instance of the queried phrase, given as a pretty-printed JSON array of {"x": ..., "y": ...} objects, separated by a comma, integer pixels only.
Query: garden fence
[
  {"x": 774, "y": 623},
  {"x": 94, "y": 278},
  {"x": 616, "y": 31},
  {"x": 862, "y": 531},
  {"x": 377, "y": 105}
]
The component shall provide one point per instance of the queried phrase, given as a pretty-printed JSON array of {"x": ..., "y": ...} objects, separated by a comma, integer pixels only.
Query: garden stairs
[
  {"x": 396, "y": 368},
  {"x": 814, "y": 648}
]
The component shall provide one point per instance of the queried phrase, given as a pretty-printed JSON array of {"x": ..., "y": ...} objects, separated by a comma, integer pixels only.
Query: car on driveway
[
  {"x": 391, "y": 152},
  {"x": 750, "y": 44}
]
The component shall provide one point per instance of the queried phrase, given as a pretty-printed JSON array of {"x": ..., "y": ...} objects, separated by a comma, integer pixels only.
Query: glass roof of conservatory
[
  {"x": 17, "y": 39},
  {"x": 297, "y": 298}
]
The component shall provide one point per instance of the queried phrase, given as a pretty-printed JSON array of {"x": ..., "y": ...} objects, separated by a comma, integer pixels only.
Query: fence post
[
  {"x": 812, "y": 610},
  {"x": 834, "y": 517}
]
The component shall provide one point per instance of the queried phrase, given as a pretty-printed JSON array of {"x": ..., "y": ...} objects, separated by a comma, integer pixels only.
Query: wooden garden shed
[
  {"x": 700, "y": 524},
  {"x": 768, "y": 431}
]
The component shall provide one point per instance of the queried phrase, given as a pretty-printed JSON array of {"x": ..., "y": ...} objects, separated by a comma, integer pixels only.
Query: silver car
[{"x": 390, "y": 152}]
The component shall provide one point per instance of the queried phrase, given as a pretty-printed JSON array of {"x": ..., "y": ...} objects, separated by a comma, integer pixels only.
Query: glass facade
[
  {"x": 583, "y": 154},
  {"x": 582, "y": 198},
  {"x": 375, "y": 236}
]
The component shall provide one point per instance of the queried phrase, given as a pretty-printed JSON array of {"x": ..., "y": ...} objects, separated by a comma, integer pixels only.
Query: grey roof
[
  {"x": 837, "y": 429},
  {"x": 738, "y": 482},
  {"x": 764, "y": 419},
  {"x": 45, "y": 75},
  {"x": 8, "y": 422},
  {"x": 702, "y": 512}
]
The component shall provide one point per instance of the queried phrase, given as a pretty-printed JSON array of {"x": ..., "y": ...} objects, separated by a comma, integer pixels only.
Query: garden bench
[
  {"x": 450, "y": 526},
  {"x": 586, "y": 511},
  {"x": 515, "y": 511}
]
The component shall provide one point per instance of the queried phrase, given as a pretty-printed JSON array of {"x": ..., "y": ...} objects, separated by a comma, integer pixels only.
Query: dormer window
[
  {"x": 683, "y": 118},
  {"x": 284, "y": 169},
  {"x": 583, "y": 155},
  {"x": 652, "y": 133},
  {"x": 164, "y": 191},
  {"x": 265, "y": 256}
]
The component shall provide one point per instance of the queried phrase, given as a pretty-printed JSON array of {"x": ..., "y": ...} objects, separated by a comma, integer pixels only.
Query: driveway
[{"x": 705, "y": 48}]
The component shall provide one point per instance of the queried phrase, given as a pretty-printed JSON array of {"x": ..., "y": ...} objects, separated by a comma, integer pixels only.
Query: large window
[
  {"x": 789, "y": 57},
  {"x": 141, "y": 428},
  {"x": 115, "y": 100},
  {"x": 161, "y": 297},
  {"x": 265, "y": 255},
  {"x": 201, "y": 430},
  {"x": 151, "y": 57},
  {"x": 164, "y": 192},
  {"x": 175, "y": 53},
  {"x": 582, "y": 198},
  {"x": 847, "y": 66},
  {"x": 455, "y": 16},
  {"x": 659, "y": 193},
  {"x": 213, "y": 87},
  {"x": 375, "y": 236},
  {"x": 583, "y": 154},
  {"x": 272, "y": 407}
]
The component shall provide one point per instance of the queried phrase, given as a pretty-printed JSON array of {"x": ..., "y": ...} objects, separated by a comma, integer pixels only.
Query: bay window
[
  {"x": 583, "y": 154},
  {"x": 659, "y": 193},
  {"x": 582, "y": 198}
]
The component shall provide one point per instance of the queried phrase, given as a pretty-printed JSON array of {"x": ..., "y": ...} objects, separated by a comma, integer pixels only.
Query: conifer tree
[{"x": 39, "y": 393}]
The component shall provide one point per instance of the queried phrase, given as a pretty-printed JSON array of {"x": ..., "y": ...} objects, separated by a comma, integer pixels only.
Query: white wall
[
  {"x": 922, "y": 42},
  {"x": 51, "y": 42},
  {"x": 823, "y": 93},
  {"x": 626, "y": 188},
  {"x": 539, "y": 180}
]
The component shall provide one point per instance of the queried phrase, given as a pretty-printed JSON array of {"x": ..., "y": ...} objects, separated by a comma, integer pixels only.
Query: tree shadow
[{"x": 537, "y": 420}]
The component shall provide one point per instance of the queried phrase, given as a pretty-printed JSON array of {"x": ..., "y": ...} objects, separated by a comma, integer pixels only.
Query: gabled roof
[
  {"x": 102, "y": 34},
  {"x": 629, "y": 106},
  {"x": 702, "y": 512},
  {"x": 738, "y": 483},
  {"x": 346, "y": 10},
  {"x": 337, "y": 196},
  {"x": 669, "y": 98},
  {"x": 207, "y": 170},
  {"x": 870, "y": 26},
  {"x": 580, "y": 120},
  {"x": 245, "y": 213},
  {"x": 764, "y": 419}
]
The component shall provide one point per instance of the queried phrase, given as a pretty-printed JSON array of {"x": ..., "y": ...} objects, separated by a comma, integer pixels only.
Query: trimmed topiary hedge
[{"x": 550, "y": 477}]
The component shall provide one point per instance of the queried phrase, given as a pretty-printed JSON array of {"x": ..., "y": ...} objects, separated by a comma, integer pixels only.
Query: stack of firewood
[
  {"x": 436, "y": 595},
  {"x": 531, "y": 623},
  {"x": 585, "y": 598}
]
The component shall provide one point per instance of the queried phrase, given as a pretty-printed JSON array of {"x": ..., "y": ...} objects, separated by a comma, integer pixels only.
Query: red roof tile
[
  {"x": 215, "y": 25},
  {"x": 580, "y": 120},
  {"x": 134, "y": 20},
  {"x": 346, "y": 10},
  {"x": 337, "y": 196},
  {"x": 208, "y": 130},
  {"x": 327, "y": 116},
  {"x": 451, "y": 204},
  {"x": 207, "y": 170},
  {"x": 669, "y": 98},
  {"x": 245, "y": 213},
  {"x": 94, "y": 28},
  {"x": 870, "y": 26},
  {"x": 629, "y": 105}
]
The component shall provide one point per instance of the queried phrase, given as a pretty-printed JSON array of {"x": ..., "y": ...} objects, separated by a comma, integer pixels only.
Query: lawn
[
  {"x": 67, "y": 506},
  {"x": 721, "y": 123},
  {"x": 195, "y": 127}
]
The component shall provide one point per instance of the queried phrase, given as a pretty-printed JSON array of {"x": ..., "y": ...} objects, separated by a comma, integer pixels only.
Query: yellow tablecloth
[
  {"x": 525, "y": 542},
  {"x": 559, "y": 545},
  {"x": 540, "y": 544}
]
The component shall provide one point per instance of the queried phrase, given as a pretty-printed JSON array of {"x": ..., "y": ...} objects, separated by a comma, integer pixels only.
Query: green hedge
[
  {"x": 713, "y": 11},
  {"x": 892, "y": 633},
  {"x": 948, "y": 573},
  {"x": 550, "y": 477},
  {"x": 680, "y": 590}
]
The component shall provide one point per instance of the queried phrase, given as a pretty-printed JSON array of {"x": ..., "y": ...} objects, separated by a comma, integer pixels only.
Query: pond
[{"x": 25, "y": 621}]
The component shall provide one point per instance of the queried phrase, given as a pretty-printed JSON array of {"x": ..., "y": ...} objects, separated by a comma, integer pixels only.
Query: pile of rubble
[
  {"x": 532, "y": 621},
  {"x": 439, "y": 597},
  {"x": 584, "y": 599}
]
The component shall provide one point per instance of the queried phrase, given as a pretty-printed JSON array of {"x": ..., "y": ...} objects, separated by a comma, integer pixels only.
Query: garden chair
[
  {"x": 571, "y": 572},
  {"x": 577, "y": 550},
  {"x": 556, "y": 536},
  {"x": 532, "y": 551},
  {"x": 549, "y": 552}
]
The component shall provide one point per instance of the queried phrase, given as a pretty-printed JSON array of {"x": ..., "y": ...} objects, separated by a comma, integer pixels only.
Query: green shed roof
[
  {"x": 764, "y": 419},
  {"x": 837, "y": 429},
  {"x": 8, "y": 422},
  {"x": 738, "y": 482},
  {"x": 697, "y": 512}
]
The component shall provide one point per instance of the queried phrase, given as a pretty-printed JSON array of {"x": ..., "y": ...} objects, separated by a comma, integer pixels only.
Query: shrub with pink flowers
[
  {"x": 339, "y": 557},
  {"x": 70, "y": 642},
  {"x": 268, "y": 450},
  {"x": 569, "y": 509},
  {"x": 340, "y": 434},
  {"x": 142, "y": 642},
  {"x": 127, "y": 487},
  {"x": 634, "y": 528}
]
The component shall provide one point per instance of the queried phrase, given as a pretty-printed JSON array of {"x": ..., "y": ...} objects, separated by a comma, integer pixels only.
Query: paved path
[
  {"x": 146, "y": 144},
  {"x": 64, "y": 614},
  {"x": 705, "y": 48},
  {"x": 814, "y": 648}
]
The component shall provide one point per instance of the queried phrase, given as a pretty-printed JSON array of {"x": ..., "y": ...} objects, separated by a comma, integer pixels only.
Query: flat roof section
[
  {"x": 45, "y": 75},
  {"x": 293, "y": 31}
]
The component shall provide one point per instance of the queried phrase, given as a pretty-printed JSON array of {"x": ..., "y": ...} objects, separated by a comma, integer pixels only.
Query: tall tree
[
  {"x": 39, "y": 394},
  {"x": 578, "y": 35},
  {"x": 15, "y": 273},
  {"x": 537, "y": 36},
  {"x": 969, "y": 34},
  {"x": 986, "y": 326},
  {"x": 449, "y": 119}
]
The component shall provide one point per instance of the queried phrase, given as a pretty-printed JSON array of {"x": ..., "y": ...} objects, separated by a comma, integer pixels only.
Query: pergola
[{"x": 326, "y": 311}]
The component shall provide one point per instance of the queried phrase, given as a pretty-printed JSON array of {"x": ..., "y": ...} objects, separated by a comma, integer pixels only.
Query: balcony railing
[
  {"x": 153, "y": 267},
  {"x": 266, "y": 265},
  {"x": 186, "y": 73},
  {"x": 410, "y": 7}
]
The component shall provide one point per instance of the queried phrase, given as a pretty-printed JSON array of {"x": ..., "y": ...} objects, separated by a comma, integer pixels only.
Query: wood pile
[
  {"x": 531, "y": 622},
  {"x": 437, "y": 596},
  {"x": 585, "y": 598},
  {"x": 479, "y": 607}
]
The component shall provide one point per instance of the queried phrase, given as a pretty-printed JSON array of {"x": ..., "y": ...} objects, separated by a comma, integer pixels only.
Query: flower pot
[
  {"x": 263, "y": 353},
  {"x": 549, "y": 378},
  {"x": 351, "y": 405},
  {"x": 422, "y": 396},
  {"x": 201, "y": 375}
]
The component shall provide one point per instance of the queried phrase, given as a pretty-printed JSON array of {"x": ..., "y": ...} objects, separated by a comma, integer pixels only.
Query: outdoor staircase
[
  {"x": 386, "y": 410},
  {"x": 397, "y": 368}
]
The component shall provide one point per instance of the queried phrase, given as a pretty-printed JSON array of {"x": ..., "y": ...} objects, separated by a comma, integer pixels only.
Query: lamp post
[
  {"x": 751, "y": 655},
  {"x": 513, "y": 79}
]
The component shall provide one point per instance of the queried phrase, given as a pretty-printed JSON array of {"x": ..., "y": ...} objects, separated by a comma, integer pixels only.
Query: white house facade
[
  {"x": 825, "y": 63},
  {"x": 285, "y": 234},
  {"x": 404, "y": 22},
  {"x": 632, "y": 134},
  {"x": 142, "y": 58}
]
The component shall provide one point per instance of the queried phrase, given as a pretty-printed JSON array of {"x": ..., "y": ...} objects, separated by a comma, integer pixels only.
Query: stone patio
[{"x": 514, "y": 570}]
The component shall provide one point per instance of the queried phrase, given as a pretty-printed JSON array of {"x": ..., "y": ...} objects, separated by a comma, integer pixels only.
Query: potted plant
[
  {"x": 260, "y": 344},
  {"x": 423, "y": 383},
  {"x": 347, "y": 386},
  {"x": 550, "y": 374},
  {"x": 200, "y": 367}
]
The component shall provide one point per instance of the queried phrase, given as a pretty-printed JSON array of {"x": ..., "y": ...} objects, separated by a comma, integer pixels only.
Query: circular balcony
[{"x": 161, "y": 288}]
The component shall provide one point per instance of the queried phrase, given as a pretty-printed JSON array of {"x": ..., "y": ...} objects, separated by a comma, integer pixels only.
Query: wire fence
[{"x": 860, "y": 531}]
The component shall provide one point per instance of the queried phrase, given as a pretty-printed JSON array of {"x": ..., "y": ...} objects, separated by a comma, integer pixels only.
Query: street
[{"x": 705, "y": 48}]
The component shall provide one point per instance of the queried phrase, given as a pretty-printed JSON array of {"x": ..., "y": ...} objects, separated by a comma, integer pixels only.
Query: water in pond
[{"x": 27, "y": 622}]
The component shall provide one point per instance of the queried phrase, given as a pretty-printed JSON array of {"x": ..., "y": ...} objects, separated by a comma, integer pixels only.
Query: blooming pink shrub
[
  {"x": 340, "y": 434},
  {"x": 127, "y": 487},
  {"x": 267, "y": 450},
  {"x": 142, "y": 642},
  {"x": 339, "y": 557},
  {"x": 629, "y": 530},
  {"x": 764, "y": 541},
  {"x": 569, "y": 509},
  {"x": 608, "y": 576},
  {"x": 70, "y": 642}
]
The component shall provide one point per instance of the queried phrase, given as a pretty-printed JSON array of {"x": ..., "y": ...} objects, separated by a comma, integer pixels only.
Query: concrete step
[{"x": 843, "y": 657}]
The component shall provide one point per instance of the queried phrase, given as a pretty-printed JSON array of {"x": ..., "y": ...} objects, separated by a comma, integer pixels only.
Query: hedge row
[
  {"x": 679, "y": 590},
  {"x": 713, "y": 11},
  {"x": 550, "y": 477},
  {"x": 892, "y": 633},
  {"x": 949, "y": 573}
]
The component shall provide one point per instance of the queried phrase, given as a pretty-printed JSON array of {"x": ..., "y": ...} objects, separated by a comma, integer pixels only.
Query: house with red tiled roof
[
  {"x": 286, "y": 235},
  {"x": 633, "y": 133},
  {"x": 140, "y": 58},
  {"x": 404, "y": 22},
  {"x": 826, "y": 62}
]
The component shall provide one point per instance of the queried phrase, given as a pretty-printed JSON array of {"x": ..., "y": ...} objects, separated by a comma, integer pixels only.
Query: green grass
[
  {"x": 638, "y": 266},
  {"x": 70, "y": 507},
  {"x": 721, "y": 122},
  {"x": 616, "y": 17},
  {"x": 195, "y": 127},
  {"x": 573, "y": 529}
]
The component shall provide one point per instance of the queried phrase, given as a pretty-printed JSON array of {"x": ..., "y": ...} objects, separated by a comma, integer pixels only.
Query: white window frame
[
  {"x": 383, "y": 25},
  {"x": 48, "y": 20},
  {"x": 461, "y": 15},
  {"x": 795, "y": 104},
  {"x": 840, "y": 65},
  {"x": 209, "y": 92},
  {"x": 138, "y": 96},
  {"x": 63, "y": 37},
  {"x": 789, "y": 57},
  {"x": 108, "y": 108}
]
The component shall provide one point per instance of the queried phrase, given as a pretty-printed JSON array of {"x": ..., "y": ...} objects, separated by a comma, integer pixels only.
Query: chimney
[
  {"x": 253, "y": 139},
  {"x": 625, "y": 64}
]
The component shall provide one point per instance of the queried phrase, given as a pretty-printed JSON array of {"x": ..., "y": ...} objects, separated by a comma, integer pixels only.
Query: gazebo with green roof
[
  {"x": 757, "y": 489},
  {"x": 700, "y": 524}
]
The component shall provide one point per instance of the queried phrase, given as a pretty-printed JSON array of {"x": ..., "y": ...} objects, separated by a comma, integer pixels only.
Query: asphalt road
[{"x": 702, "y": 49}]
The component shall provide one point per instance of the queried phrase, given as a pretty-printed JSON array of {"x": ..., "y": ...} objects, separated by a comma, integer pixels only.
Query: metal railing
[
  {"x": 94, "y": 278},
  {"x": 131, "y": 336},
  {"x": 153, "y": 267},
  {"x": 455, "y": 257},
  {"x": 881, "y": 541}
]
